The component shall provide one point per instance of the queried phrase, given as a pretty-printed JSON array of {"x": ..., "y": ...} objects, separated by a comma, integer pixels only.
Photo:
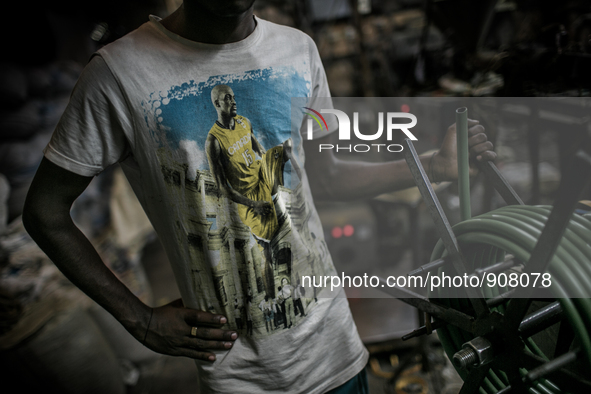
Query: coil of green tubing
[{"x": 486, "y": 239}]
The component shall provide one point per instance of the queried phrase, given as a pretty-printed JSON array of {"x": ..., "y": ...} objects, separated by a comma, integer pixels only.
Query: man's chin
[{"x": 230, "y": 8}]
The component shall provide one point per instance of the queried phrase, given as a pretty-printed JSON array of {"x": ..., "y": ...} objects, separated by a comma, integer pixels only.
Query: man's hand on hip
[{"x": 179, "y": 331}]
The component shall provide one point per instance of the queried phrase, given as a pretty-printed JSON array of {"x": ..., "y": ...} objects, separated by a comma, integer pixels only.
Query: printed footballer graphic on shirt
[{"x": 229, "y": 158}]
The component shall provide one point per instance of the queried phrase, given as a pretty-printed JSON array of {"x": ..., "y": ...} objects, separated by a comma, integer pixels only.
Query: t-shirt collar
[{"x": 251, "y": 39}]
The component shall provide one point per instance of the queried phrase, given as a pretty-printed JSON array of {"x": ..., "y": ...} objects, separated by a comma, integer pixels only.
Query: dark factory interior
[{"x": 523, "y": 70}]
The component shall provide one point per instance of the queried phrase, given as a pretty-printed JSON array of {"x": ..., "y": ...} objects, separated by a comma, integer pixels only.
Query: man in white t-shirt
[
  {"x": 140, "y": 102},
  {"x": 285, "y": 302}
]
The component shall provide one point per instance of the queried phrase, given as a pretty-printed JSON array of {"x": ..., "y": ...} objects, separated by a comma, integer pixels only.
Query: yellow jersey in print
[
  {"x": 250, "y": 177},
  {"x": 241, "y": 167}
]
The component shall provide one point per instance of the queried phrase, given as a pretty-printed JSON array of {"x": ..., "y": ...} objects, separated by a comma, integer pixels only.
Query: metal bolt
[
  {"x": 478, "y": 351},
  {"x": 465, "y": 358}
]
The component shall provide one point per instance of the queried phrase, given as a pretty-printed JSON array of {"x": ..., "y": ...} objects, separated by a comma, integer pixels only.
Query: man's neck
[
  {"x": 227, "y": 122},
  {"x": 195, "y": 23}
]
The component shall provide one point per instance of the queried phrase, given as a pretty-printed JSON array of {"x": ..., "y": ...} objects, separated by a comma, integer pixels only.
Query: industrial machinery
[{"x": 514, "y": 338}]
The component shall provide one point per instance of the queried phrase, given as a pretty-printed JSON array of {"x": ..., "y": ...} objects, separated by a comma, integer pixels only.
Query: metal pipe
[
  {"x": 441, "y": 223},
  {"x": 429, "y": 267},
  {"x": 541, "y": 319},
  {"x": 463, "y": 162},
  {"x": 499, "y": 182},
  {"x": 552, "y": 366},
  {"x": 498, "y": 267},
  {"x": 491, "y": 302}
]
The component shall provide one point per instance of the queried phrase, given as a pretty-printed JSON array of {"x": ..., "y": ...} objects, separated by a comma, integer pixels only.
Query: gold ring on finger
[{"x": 194, "y": 331}]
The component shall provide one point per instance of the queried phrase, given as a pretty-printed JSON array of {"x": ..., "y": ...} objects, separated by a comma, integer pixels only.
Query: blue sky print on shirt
[{"x": 182, "y": 117}]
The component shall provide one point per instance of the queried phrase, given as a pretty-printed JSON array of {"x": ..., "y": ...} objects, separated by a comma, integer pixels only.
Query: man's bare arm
[
  {"x": 334, "y": 179},
  {"x": 166, "y": 329},
  {"x": 214, "y": 154}
]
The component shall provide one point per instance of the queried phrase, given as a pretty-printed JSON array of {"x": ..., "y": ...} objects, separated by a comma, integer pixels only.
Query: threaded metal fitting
[{"x": 465, "y": 358}]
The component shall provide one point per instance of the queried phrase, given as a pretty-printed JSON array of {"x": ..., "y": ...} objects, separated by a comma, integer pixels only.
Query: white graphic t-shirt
[{"x": 145, "y": 101}]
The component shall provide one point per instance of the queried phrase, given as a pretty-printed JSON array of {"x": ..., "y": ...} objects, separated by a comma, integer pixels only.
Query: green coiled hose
[{"x": 514, "y": 230}]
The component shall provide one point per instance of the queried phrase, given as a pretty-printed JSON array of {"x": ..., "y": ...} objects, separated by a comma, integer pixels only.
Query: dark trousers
[{"x": 297, "y": 304}]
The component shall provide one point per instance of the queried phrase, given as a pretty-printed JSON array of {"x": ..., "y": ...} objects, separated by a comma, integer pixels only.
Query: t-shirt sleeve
[
  {"x": 91, "y": 134},
  {"x": 320, "y": 94}
]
